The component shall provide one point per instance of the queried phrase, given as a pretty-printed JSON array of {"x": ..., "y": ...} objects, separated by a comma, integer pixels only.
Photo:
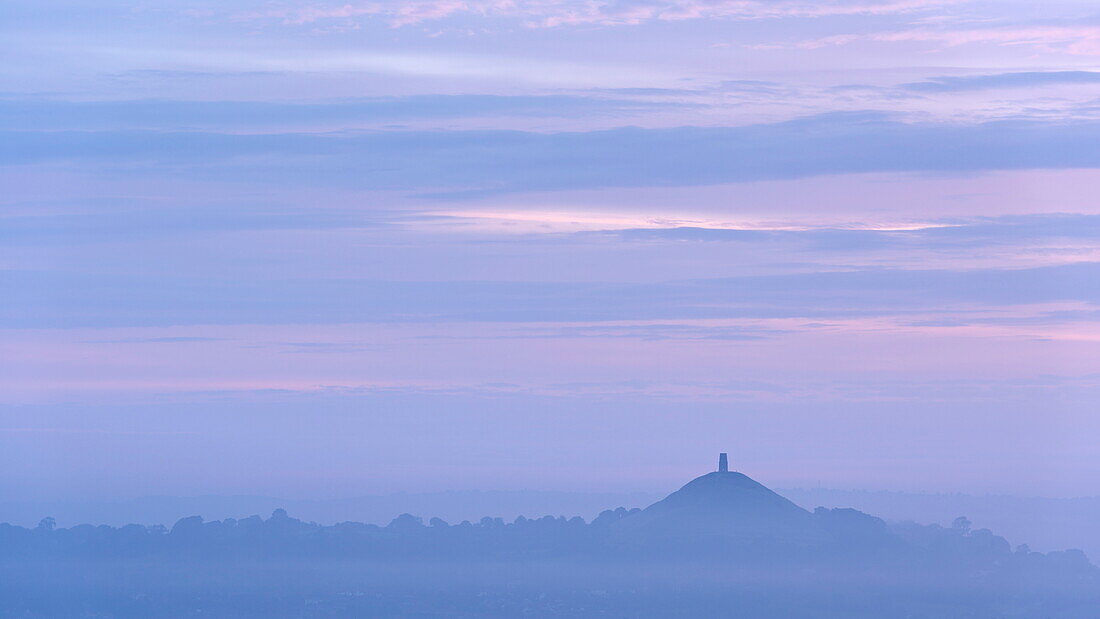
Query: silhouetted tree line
[{"x": 847, "y": 534}]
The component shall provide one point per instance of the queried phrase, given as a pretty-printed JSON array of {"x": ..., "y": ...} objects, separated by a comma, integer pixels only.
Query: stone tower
[{"x": 723, "y": 463}]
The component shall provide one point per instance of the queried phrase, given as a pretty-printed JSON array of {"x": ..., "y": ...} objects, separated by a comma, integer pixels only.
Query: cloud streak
[
  {"x": 28, "y": 113},
  {"x": 982, "y": 231},
  {"x": 1077, "y": 39},
  {"x": 557, "y": 13},
  {"x": 1022, "y": 79},
  {"x": 455, "y": 164},
  {"x": 43, "y": 299}
]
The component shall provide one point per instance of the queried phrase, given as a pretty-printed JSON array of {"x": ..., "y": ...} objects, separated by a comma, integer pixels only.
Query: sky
[{"x": 324, "y": 249}]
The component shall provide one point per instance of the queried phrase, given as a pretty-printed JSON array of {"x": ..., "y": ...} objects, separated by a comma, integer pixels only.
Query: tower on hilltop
[{"x": 723, "y": 463}]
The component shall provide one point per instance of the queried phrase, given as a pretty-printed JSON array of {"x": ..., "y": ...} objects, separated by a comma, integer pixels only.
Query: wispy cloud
[
  {"x": 1071, "y": 39},
  {"x": 650, "y": 332},
  {"x": 124, "y": 222},
  {"x": 553, "y": 13},
  {"x": 1022, "y": 79},
  {"x": 39, "y": 113},
  {"x": 957, "y": 231},
  {"x": 73, "y": 300},
  {"x": 460, "y": 164},
  {"x": 175, "y": 339}
]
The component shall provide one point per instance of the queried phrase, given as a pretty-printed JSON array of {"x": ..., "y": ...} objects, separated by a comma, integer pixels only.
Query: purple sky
[{"x": 335, "y": 248}]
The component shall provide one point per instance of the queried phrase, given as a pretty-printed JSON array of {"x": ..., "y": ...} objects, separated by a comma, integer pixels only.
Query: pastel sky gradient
[{"x": 293, "y": 248}]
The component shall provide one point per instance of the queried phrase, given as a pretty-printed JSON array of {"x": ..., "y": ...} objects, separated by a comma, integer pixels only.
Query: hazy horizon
[
  {"x": 720, "y": 542},
  {"x": 1043, "y": 523}
]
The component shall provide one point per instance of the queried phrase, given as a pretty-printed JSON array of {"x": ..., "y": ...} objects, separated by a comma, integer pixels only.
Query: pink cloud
[
  {"x": 552, "y": 13},
  {"x": 1081, "y": 40}
]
